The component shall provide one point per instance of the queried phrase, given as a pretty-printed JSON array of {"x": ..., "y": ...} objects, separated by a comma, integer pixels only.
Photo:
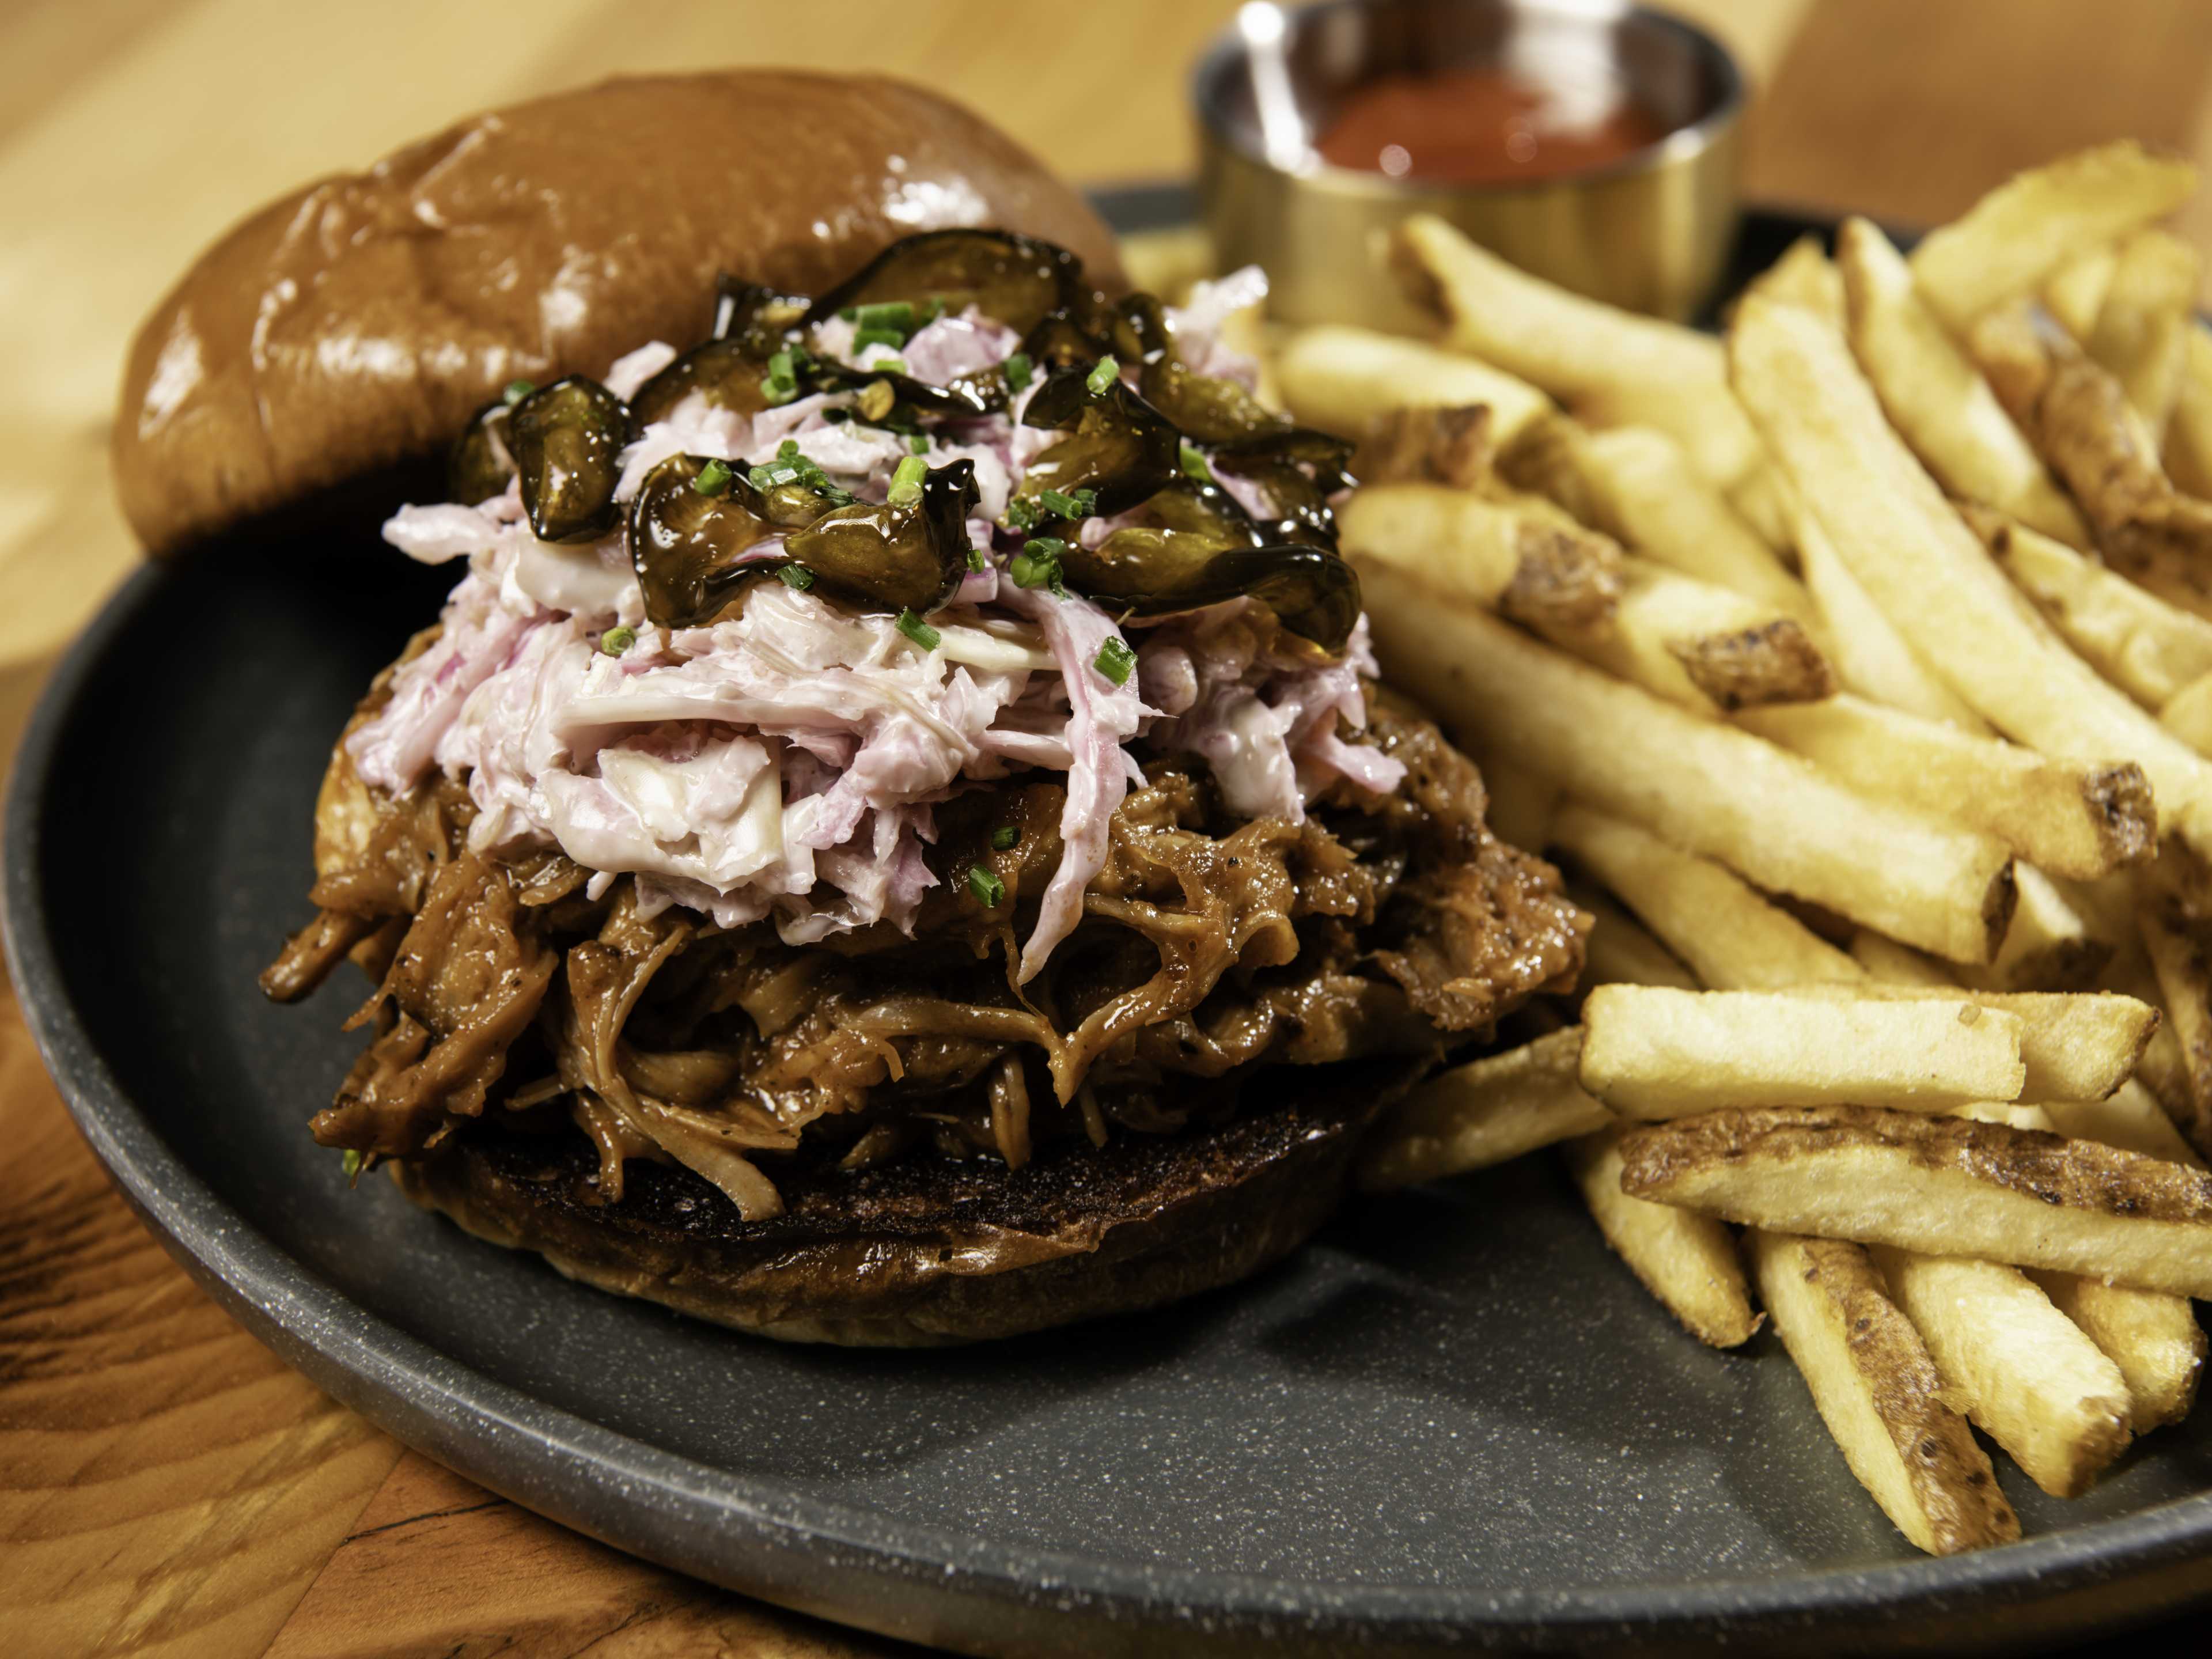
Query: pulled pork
[{"x": 1209, "y": 945}]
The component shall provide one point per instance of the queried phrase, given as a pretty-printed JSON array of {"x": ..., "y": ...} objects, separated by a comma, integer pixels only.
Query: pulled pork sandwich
[{"x": 893, "y": 837}]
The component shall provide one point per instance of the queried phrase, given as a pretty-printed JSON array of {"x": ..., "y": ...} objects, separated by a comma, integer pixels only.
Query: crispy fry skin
[
  {"x": 1441, "y": 444},
  {"x": 1879, "y": 1393},
  {"x": 1496, "y": 554},
  {"x": 1636, "y": 485},
  {"x": 2078, "y": 415},
  {"x": 1942, "y": 1185}
]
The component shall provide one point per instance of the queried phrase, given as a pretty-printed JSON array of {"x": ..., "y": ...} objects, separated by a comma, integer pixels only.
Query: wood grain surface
[{"x": 166, "y": 1485}]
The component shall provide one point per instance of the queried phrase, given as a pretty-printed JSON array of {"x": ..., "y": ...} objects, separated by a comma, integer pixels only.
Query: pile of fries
[{"x": 1858, "y": 667}]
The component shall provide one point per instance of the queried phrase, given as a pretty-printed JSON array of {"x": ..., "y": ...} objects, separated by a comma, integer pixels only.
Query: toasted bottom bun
[{"x": 928, "y": 1251}]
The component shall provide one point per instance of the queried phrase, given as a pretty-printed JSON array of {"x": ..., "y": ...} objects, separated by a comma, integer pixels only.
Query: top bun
[{"x": 360, "y": 320}]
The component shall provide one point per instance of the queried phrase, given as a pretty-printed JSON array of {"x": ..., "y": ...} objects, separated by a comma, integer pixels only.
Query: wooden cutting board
[{"x": 166, "y": 1485}]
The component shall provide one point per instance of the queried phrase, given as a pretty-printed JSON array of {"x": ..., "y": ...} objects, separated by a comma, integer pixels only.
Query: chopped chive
[
  {"x": 714, "y": 478},
  {"x": 616, "y": 640},
  {"x": 1037, "y": 565},
  {"x": 1018, "y": 371},
  {"x": 781, "y": 385},
  {"x": 1115, "y": 660},
  {"x": 1104, "y": 373},
  {"x": 889, "y": 365},
  {"x": 906, "y": 482},
  {"x": 893, "y": 316},
  {"x": 919, "y": 631},
  {"x": 352, "y": 1163},
  {"x": 917, "y": 445},
  {"x": 1194, "y": 464},
  {"x": 976, "y": 562},
  {"x": 876, "y": 337},
  {"x": 987, "y": 888},
  {"x": 1004, "y": 837},
  {"x": 796, "y": 576},
  {"x": 1020, "y": 514},
  {"x": 788, "y": 450},
  {"x": 1072, "y": 504},
  {"x": 517, "y": 391},
  {"x": 850, "y": 314}
]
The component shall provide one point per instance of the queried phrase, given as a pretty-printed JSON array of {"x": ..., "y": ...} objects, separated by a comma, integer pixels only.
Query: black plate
[{"x": 1455, "y": 1420}]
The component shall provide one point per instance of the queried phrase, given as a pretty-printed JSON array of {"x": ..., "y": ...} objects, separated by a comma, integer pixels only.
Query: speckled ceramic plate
[{"x": 1455, "y": 1421}]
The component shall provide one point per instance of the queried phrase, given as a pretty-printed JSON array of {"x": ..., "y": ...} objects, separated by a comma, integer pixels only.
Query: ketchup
[{"x": 1475, "y": 126}]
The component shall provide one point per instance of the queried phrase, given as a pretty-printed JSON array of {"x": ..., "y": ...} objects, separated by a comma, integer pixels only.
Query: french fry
[
  {"x": 1757, "y": 498},
  {"x": 2188, "y": 454},
  {"x": 1522, "y": 802},
  {"x": 1890, "y": 963},
  {"x": 2047, "y": 946},
  {"x": 1709, "y": 648},
  {"x": 2164, "y": 1068},
  {"x": 2076, "y": 292},
  {"x": 1804, "y": 275},
  {"x": 1869, "y": 655},
  {"x": 1650, "y": 1052},
  {"x": 1705, "y": 787},
  {"x": 1495, "y": 554},
  {"x": 1638, "y": 369},
  {"x": 1688, "y": 1261},
  {"x": 1437, "y": 443},
  {"x": 2029, "y": 1378},
  {"x": 1342, "y": 379},
  {"x": 2184, "y": 983},
  {"x": 1730, "y": 938},
  {"x": 2142, "y": 332},
  {"x": 2013, "y": 238},
  {"x": 2129, "y": 1118},
  {"x": 2080, "y": 820},
  {"x": 1879, "y": 1393},
  {"x": 2188, "y": 714},
  {"x": 1635, "y": 484},
  {"x": 1928, "y": 573},
  {"x": 2150, "y": 649},
  {"x": 2076, "y": 1047},
  {"x": 1936, "y": 397},
  {"x": 2154, "y": 1340},
  {"x": 2079, "y": 418},
  {"x": 1487, "y": 1111},
  {"x": 1942, "y": 1185},
  {"x": 1619, "y": 951}
]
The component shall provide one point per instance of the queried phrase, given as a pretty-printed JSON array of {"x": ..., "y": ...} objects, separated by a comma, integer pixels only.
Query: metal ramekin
[{"x": 1651, "y": 232}]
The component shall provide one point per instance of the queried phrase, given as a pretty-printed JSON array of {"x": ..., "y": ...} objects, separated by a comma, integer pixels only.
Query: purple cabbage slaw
[{"x": 782, "y": 764}]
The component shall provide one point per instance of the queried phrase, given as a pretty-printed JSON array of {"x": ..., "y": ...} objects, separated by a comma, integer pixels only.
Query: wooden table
[{"x": 166, "y": 1485}]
